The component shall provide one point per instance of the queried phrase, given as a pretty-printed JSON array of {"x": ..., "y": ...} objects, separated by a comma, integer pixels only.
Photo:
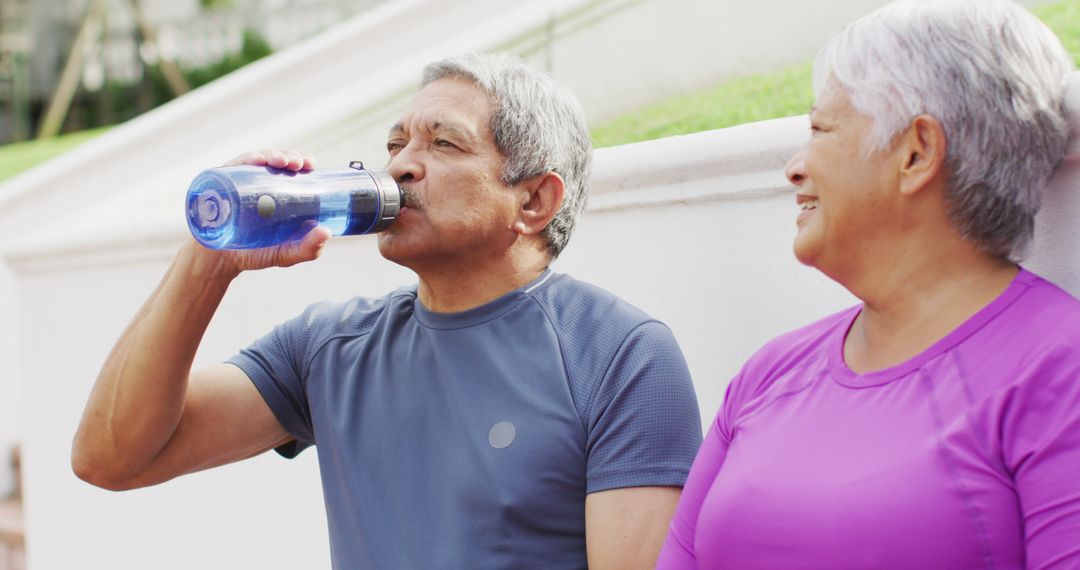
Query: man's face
[
  {"x": 443, "y": 153},
  {"x": 842, "y": 190}
]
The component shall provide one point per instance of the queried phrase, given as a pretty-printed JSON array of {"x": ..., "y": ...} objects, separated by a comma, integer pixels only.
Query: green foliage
[
  {"x": 254, "y": 47},
  {"x": 117, "y": 102},
  {"x": 742, "y": 100},
  {"x": 770, "y": 96},
  {"x": 15, "y": 158},
  {"x": 1064, "y": 19}
]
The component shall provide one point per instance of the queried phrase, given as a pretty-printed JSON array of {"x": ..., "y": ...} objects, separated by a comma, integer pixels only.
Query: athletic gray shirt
[{"x": 469, "y": 440}]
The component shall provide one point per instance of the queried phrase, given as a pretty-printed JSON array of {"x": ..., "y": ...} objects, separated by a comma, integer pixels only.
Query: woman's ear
[
  {"x": 542, "y": 199},
  {"x": 923, "y": 154}
]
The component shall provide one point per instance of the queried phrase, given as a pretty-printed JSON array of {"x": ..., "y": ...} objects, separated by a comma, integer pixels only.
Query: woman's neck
[{"x": 910, "y": 306}]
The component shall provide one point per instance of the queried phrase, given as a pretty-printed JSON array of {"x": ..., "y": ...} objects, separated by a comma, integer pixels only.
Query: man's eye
[
  {"x": 394, "y": 146},
  {"x": 443, "y": 143}
]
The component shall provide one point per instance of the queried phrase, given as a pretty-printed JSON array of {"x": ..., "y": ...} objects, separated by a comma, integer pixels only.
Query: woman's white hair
[
  {"x": 992, "y": 74},
  {"x": 538, "y": 125}
]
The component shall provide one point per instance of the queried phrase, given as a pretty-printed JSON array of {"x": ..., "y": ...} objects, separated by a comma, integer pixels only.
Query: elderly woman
[{"x": 936, "y": 424}]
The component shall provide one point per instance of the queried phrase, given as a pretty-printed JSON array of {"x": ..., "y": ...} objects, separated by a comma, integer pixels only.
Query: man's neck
[{"x": 452, "y": 288}]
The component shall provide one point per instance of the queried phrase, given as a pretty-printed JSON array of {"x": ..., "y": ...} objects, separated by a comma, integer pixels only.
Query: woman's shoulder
[
  {"x": 1049, "y": 311},
  {"x": 806, "y": 346},
  {"x": 808, "y": 338}
]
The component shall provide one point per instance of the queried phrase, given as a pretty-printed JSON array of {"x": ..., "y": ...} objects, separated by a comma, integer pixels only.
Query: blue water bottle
[{"x": 246, "y": 207}]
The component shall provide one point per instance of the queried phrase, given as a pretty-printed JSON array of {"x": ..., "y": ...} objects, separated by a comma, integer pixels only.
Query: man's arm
[
  {"x": 148, "y": 419},
  {"x": 645, "y": 430},
  {"x": 625, "y": 528}
]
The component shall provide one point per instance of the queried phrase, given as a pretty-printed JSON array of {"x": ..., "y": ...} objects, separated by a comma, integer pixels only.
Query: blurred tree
[
  {"x": 117, "y": 102},
  {"x": 148, "y": 35}
]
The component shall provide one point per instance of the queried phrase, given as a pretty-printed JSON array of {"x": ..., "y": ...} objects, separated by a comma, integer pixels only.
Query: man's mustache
[{"x": 409, "y": 198}]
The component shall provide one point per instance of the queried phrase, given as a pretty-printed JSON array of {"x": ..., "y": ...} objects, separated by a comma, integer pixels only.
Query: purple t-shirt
[{"x": 965, "y": 456}]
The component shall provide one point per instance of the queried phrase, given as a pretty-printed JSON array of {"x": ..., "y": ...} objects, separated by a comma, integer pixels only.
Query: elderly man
[
  {"x": 494, "y": 415},
  {"x": 936, "y": 424}
]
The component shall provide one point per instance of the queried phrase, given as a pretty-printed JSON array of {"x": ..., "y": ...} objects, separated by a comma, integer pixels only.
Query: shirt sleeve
[
  {"x": 678, "y": 550},
  {"x": 277, "y": 365},
  {"x": 644, "y": 426},
  {"x": 1042, "y": 447}
]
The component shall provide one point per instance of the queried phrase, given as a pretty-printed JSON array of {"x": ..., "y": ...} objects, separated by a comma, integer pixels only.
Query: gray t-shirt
[{"x": 469, "y": 440}]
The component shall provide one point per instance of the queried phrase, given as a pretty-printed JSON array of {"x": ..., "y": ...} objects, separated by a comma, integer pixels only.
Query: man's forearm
[{"x": 136, "y": 403}]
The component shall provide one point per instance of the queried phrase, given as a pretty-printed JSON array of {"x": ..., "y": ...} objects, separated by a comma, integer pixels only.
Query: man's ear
[
  {"x": 922, "y": 158},
  {"x": 541, "y": 200}
]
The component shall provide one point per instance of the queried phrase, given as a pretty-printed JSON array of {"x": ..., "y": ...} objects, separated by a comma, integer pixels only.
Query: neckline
[
  {"x": 477, "y": 315},
  {"x": 847, "y": 377}
]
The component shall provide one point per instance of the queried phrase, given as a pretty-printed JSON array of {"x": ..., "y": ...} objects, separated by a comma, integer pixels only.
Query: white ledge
[{"x": 742, "y": 162}]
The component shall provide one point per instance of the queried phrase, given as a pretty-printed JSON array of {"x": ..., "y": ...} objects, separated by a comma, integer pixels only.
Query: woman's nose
[{"x": 796, "y": 168}]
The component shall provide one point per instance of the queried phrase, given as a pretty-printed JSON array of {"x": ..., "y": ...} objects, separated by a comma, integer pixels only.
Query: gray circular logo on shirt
[{"x": 502, "y": 435}]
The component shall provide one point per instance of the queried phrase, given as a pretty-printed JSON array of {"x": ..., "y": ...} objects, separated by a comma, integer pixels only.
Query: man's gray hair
[
  {"x": 538, "y": 125},
  {"x": 992, "y": 74}
]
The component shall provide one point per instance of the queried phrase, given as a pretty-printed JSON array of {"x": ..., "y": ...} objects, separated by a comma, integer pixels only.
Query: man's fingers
[
  {"x": 309, "y": 160},
  {"x": 295, "y": 160},
  {"x": 284, "y": 158},
  {"x": 306, "y": 249},
  {"x": 314, "y": 241},
  {"x": 254, "y": 158},
  {"x": 275, "y": 158}
]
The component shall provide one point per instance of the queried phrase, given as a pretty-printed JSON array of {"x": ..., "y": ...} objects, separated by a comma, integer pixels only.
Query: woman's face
[{"x": 843, "y": 190}]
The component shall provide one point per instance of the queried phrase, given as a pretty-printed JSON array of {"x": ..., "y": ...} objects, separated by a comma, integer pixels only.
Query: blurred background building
[{"x": 135, "y": 54}]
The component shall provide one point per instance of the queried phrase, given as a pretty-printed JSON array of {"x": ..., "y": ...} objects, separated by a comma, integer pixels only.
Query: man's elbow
[{"x": 100, "y": 473}]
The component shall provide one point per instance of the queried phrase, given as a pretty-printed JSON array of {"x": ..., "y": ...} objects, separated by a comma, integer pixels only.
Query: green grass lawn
[
  {"x": 14, "y": 158},
  {"x": 742, "y": 100},
  {"x": 770, "y": 96}
]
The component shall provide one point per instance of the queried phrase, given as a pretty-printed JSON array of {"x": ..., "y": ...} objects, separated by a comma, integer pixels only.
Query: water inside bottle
[{"x": 220, "y": 217}]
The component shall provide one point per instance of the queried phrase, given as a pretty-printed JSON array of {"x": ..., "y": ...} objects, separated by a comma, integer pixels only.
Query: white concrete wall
[{"x": 10, "y": 392}]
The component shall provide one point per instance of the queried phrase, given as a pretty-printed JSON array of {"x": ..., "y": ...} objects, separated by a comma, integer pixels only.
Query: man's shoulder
[
  {"x": 580, "y": 305},
  {"x": 594, "y": 327},
  {"x": 356, "y": 316}
]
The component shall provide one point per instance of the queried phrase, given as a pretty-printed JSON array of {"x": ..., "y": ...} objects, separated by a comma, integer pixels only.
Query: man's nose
[
  {"x": 405, "y": 166},
  {"x": 796, "y": 168}
]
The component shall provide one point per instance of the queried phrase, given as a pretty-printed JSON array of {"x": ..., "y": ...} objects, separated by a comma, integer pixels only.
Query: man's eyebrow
[{"x": 451, "y": 129}]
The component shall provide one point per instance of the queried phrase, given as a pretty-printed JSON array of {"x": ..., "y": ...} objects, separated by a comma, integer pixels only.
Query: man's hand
[
  {"x": 285, "y": 158},
  {"x": 148, "y": 418},
  {"x": 230, "y": 263}
]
